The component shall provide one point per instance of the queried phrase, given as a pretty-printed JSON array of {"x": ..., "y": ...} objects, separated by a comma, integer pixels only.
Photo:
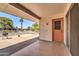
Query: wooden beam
[{"x": 21, "y": 7}]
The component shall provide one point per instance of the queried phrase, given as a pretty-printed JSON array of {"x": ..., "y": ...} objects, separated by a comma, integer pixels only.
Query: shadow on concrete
[{"x": 13, "y": 48}]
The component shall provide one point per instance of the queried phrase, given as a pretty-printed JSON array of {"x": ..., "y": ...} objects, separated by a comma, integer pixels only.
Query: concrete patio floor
[
  {"x": 16, "y": 47},
  {"x": 44, "y": 48}
]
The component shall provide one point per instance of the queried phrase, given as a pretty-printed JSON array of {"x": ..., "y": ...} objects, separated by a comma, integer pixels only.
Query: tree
[
  {"x": 21, "y": 20},
  {"x": 1, "y": 25},
  {"x": 6, "y": 22},
  {"x": 35, "y": 27}
]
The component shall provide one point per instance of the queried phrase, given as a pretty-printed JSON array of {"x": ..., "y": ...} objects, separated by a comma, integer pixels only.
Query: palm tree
[{"x": 21, "y": 20}]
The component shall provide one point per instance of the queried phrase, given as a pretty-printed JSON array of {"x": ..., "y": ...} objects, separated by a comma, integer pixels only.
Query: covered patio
[{"x": 53, "y": 32}]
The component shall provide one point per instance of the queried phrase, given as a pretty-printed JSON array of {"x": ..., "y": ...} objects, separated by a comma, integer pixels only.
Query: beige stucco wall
[
  {"x": 65, "y": 22},
  {"x": 45, "y": 32}
]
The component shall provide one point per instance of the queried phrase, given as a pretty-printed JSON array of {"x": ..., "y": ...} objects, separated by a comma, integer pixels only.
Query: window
[{"x": 57, "y": 25}]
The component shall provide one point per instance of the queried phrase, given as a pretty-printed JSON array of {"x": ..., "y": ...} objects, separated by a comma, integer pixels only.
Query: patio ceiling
[
  {"x": 26, "y": 10},
  {"x": 33, "y": 11},
  {"x": 7, "y": 8},
  {"x": 45, "y": 9}
]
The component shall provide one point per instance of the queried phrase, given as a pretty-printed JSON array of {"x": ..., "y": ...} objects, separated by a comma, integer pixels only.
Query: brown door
[{"x": 58, "y": 29}]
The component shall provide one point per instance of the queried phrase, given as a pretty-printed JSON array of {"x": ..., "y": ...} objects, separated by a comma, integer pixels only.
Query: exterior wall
[
  {"x": 47, "y": 35},
  {"x": 67, "y": 30},
  {"x": 45, "y": 32},
  {"x": 65, "y": 22}
]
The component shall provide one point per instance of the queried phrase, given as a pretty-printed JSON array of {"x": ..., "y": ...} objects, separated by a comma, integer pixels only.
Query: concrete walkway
[
  {"x": 43, "y": 48},
  {"x": 15, "y": 39}
]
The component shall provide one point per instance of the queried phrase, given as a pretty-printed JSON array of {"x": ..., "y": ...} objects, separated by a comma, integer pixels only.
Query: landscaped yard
[{"x": 14, "y": 39}]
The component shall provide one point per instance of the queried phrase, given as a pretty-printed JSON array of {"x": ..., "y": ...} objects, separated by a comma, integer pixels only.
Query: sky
[{"x": 16, "y": 20}]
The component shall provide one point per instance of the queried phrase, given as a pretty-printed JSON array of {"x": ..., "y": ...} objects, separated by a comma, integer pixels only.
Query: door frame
[
  {"x": 68, "y": 30},
  {"x": 53, "y": 28},
  {"x": 67, "y": 18}
]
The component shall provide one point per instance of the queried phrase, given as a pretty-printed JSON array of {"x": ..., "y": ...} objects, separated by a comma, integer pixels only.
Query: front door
[{"x": 58, "y": 29}]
